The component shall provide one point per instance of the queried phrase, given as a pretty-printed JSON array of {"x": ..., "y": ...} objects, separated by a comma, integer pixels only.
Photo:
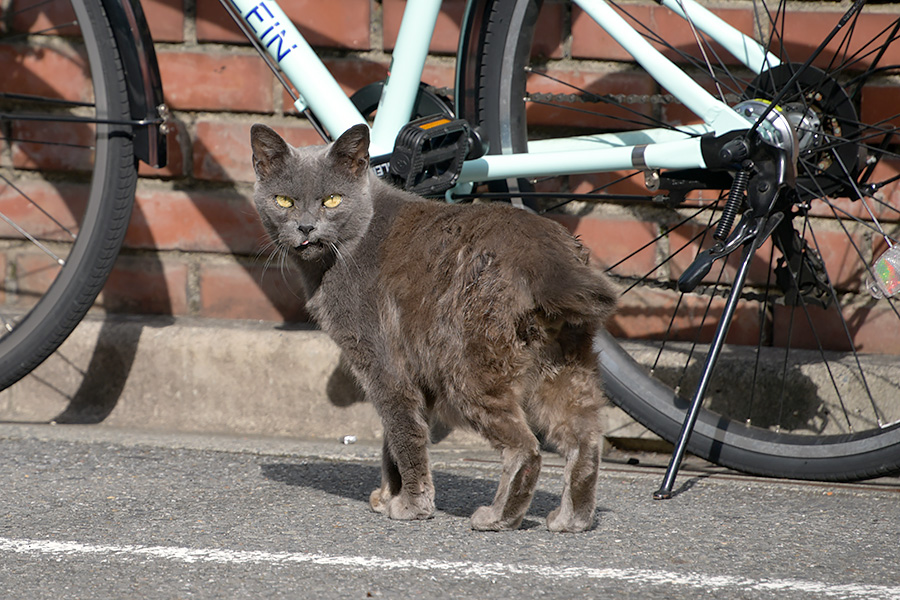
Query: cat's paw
[
  {"x": 409, "y": 508},
  {"x": 568, "y": 522},
  {"x": 487, "y": 518},
  {"x": 379, "y": 500}
]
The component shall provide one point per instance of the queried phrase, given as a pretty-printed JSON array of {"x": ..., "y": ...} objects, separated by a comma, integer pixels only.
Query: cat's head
[{"x": 316, "y": 201}]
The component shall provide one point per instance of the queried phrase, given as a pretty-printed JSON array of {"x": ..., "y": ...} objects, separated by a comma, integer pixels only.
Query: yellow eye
[
  {"x": 284, "y": 201},
  {"x": 332, "y": 200}
]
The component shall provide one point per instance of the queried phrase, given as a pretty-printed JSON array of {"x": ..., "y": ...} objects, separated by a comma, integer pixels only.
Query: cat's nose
[{"x": 306, "y": 229}]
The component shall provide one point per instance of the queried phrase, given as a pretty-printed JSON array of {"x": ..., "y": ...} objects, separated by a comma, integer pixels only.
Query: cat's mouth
[{"x": 310, "y": 249}]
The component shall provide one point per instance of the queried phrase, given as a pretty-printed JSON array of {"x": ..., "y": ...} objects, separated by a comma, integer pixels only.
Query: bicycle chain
[
  {"x": 586, "y": 98},
  {"x": 700, "y": 290}
]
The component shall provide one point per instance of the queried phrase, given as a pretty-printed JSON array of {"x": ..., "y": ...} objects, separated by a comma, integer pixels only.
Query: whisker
[{"x": 341, "y": 257}]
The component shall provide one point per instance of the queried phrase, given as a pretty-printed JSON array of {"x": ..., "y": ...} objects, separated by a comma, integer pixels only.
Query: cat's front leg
[{"x": 407, "y": 490}]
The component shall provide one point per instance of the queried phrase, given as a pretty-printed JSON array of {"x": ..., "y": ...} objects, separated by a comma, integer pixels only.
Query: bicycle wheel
[
  {"x": 67, "y": 176},
  {"x": 808, "y": 384}
]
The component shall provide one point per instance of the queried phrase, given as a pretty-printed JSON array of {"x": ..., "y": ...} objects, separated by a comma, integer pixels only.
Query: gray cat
[{"x": 480, "y": 315}]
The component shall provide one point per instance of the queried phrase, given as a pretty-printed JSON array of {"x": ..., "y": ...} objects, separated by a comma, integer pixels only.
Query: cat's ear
[
  {"x": 270, "y": 151},
  {"x": 351, "y": 150}
]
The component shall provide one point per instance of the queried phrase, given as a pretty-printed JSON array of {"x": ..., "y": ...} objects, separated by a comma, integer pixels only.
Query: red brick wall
[{"x": 195, "y": 247}]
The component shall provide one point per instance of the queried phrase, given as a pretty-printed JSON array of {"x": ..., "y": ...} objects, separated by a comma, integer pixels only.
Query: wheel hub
[
  {"x": 808, "y": 127},
  {"x": 824, "y": 121},
  {"x": 776, "y": 129}
]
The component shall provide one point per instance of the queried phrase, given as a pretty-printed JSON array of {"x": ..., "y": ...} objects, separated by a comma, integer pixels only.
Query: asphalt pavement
[{"x": 99, "y": 512}]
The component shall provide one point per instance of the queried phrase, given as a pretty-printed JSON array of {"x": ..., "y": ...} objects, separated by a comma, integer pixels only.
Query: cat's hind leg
[
  {"x": 567, "y": 409},
  {"x": 390, "y": 481},
  {"x": 508, "y": 431}
]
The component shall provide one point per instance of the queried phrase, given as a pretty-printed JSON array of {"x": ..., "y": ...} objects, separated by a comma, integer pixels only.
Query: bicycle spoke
[
  {"x": 33, "y": 240},
  {"x": 38, "y": 207},
  {"x": 47, "y": 143},
  {"x": 32, "y": 99},
  {"x": 668, "y": 332},
  {"x": 30, "y": 7}
]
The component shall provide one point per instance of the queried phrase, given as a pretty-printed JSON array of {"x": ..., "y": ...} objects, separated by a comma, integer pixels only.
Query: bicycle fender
[{"x": 144, "y": 84}]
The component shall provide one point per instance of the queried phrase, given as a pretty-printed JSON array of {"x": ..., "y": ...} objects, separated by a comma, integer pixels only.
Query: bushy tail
[{"x": 569, "y": 287}]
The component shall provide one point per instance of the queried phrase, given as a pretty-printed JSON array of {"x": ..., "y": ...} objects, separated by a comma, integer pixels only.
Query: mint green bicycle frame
[{"x": 648, "y": 149}]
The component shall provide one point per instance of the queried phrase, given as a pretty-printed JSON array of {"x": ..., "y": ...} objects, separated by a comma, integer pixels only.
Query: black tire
[
  {"x": 766, "y": 412},
  {"x": 38, "y": 316}
]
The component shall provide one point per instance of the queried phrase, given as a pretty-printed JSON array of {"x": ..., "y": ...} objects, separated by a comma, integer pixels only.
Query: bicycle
[{"x": 781, "y": 153}]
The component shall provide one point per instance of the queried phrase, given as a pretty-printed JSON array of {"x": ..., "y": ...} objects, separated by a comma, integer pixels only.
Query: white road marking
[{"x": 495, "y": 570}]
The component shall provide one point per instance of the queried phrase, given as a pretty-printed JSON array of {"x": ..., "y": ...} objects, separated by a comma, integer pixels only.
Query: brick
[
  {"x": 222, "y": 149},
  {"x": 34, "y": 272},
  {"x": 589, "y": 40},
  {"x": 873, "y": 328},
  {"x": 550, "y": 31},
  {"x": 146, "y": 285},
  {"x": 646, "y": 313},
  {"x": 877, "y": 334},
  {"x": 445, "y": 39},
  {"x": 165, "y": 19},
  {"x": 214, "y": 24},
  {"x": 841, "y": 255},
  {"x": 334, "y": 24},
  {"x": 611, "y": 241},
  {"x": 806, "y": 29},
  {"x": 233, "y": 291},
  {"x": 47, "y": 19},
  {"x": 39, "y": 145},
  {"x": 880, "y": 104},
  {"x": 216, "y": 81},
  {"x": 43, "y": 71},
  {"x": 195, "y": 221}
]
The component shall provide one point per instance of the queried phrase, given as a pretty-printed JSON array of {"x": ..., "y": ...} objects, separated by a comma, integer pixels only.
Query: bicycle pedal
[{"x": 428, "y": 154}]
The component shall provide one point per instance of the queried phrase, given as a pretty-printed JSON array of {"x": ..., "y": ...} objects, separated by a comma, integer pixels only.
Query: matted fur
[{"x": 480, "y": 315}]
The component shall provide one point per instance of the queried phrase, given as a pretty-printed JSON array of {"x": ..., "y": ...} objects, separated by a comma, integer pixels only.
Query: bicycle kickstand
[{"x": 665, "y": 491}]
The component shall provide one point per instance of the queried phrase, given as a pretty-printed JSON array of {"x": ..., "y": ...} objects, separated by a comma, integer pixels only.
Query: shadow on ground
[{"x": 456, "y": 495}]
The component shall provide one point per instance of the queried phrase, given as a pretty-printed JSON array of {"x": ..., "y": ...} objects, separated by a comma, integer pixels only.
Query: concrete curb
[{"x": 195, "y": 375}]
